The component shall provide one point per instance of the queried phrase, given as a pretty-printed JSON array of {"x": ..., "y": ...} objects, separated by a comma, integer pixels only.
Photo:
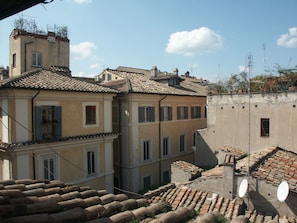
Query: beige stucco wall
[
  {"x": 70, "y": 156},
  {"x": 130, "y": 154},
  {"x": 235, "y": 120},
  {"x": 53, "y": 53}
]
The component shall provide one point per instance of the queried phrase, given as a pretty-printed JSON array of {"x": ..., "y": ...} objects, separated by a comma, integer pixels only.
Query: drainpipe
[
  {"x": 33, "y": 132},
  {"x": 160, "y": 147},
  {"x": 33, "y": 115}
]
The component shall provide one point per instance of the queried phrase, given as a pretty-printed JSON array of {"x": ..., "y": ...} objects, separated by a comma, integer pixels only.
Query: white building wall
[
  {"x": 5, "y": 121},
  {"x": 23, "y": 171}
]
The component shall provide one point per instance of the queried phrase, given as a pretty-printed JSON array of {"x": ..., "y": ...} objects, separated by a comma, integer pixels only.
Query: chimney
[
  {"x": 175, "y": 71},
  {"x": 228, "y": 176},
  {"x": 154, "y": 71},
  {"x": 51, "y": 37}
]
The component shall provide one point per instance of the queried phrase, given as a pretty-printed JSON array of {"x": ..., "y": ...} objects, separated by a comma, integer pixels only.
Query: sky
[{"x": 212, "y": 39}]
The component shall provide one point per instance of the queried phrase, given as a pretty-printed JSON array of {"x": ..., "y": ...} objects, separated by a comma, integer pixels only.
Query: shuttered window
[
  {"x": 182, "y": 112},
  {"x": 195, "y": 112},
  {"x": 146, "y": 114},
  {"x": 166, "y": 113},
  {"x": 48, "y": 122}
]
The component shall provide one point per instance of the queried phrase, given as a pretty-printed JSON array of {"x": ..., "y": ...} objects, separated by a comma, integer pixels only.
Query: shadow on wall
[
  {"x": 291, "y": 202},
  {"x": 205, "y": 157},
  {"x": 260, "y": 203}
]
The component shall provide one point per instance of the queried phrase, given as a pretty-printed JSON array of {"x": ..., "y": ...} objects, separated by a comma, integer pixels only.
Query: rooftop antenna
[{"x": 265, "y": 61}]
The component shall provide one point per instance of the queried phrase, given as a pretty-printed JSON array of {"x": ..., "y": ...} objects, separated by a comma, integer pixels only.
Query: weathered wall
[{"x": 235, "y": 120}]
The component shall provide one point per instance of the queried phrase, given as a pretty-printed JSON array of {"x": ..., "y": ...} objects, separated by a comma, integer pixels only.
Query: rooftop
[{"x": 42, "y": 79}]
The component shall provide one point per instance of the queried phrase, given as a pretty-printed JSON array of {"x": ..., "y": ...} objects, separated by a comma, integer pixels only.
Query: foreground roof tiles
[{"x": 42, "y": 79}]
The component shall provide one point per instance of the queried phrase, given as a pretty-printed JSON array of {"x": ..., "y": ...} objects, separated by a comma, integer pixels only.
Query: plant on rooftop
[{"x": 30, "y": 26}]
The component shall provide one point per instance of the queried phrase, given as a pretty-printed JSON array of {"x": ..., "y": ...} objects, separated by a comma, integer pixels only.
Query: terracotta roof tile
[
  {"x": 140, "y": 83},
  {"x": 48, "y": 80}
]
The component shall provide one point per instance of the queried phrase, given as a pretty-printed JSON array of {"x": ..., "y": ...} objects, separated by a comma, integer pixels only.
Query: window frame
[
  {"x": 265, "y": 130},
  {"x": 42, "y": 158},
  {"x": 166, "y": 113},
  {"x": 165, "y": 146},
  {"x": 91, "y": 168},
  {"x": 146, "y": 150},
  {"x": 182, "y": 112},
  {"x": 36, "y": 59},
  {"x": 55, "y": 122},
  {"x": 13, "y": 60},
  {"x": 182, "y": 143},
  {"x": 94, "y": 123},
  {"x": 196, "y": 112},
  {"x": 146, "y": 114}
]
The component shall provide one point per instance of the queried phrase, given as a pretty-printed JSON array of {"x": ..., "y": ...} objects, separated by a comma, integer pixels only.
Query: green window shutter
[
  {"x": 38, "y": 123},
  {"x": 141, "y": 114},
  {"x": 162, "y": 114},
  {"x": 169, "y": 113},
  {"x": 151, "y": 114},
  {"x": 186, "y": 112},
  {"x": 57, "y": 122}
]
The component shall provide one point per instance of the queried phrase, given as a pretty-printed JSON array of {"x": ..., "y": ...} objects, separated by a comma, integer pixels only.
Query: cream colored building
[
  {"x": 28, "y": 51},
  {"x": 56, "y": 127},
  {"x": 249, "y": 123},
  {"x": 157, "y": 123}
]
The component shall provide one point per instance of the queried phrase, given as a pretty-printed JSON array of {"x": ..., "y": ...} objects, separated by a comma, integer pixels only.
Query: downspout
[
  {"x": 160, "y": 147},
  {"x": 33, "y": 130}
]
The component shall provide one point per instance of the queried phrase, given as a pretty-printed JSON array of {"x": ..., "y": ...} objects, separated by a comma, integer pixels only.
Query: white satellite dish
[
  {"x": 243, "y": 188},
  {"x": 283, "y": 191}
]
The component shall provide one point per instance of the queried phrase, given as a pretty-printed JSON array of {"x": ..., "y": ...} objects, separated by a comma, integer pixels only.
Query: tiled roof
[
  {"x": 48, "y": 80},
  {"x": 280, "y": 165},
  {"x": 139, "y": 83},
  {"x": 238, "y": 154},
  {"x": 68, "y": 138},
  {"x": 54, "y": 201}
]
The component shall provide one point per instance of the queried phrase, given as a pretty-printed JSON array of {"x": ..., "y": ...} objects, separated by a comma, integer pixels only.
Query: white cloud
[
  {"x": 82, "y": 50},
  {"x": 242, "y": 68},
  {"x": 197, "y": 41},
  {"x": 289, "y": 39},
  {"x": 83, "y": 1},
  {"x": 95, "y": 66}
]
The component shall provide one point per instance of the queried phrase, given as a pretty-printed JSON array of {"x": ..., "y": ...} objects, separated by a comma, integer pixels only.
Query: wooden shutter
[
  {"x": 151, "y": 114},
  {"x": 169, "y": 113},
  {"x": 186, "y": 112},
  {"x": 141, "y": 114},
  {"x": 57, "y": 122},
  {"x": 178, "y": 112},
  {"x": 38, "y": 123}
]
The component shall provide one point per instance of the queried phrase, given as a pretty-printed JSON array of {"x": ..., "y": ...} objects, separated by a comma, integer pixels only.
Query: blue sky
[{"x": 212, "y": 39}]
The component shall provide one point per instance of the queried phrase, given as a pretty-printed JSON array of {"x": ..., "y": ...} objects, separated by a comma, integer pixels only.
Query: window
[
  {"x": 264, "y": 126},
  {"x": 166, "y": 113},
  {"x": 146, "y": 150},
  {"x": 195, "y": 112},
  {"x": 146, "y": 114},
  {"x": 14, "y": 60},
  {"x": 91, "y": 162},
  {"x": 90, "y": 114},
  {"x": 205, "y": 112},
  {"x": 147, "y": 183},
  {"x": 165, "y": 146},
  {"x": 166, "y": 176},
  {"x": 182, "y": 143},
  {"x": 48, "y": 122},
  {"x": 36, "y": 60},
  {"x": 182, "y": 112},
  {"x": 49, "y": 167},
  {"x": 194, "y": 139}
]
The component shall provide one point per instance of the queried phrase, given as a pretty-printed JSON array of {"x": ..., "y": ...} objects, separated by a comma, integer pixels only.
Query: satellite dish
[
  {"x": 243, "y": 188},
  {"x": 283, "y": 191}
]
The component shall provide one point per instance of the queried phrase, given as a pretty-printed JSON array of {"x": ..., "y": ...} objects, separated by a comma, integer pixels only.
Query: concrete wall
[{"x": 235, "y": 120}]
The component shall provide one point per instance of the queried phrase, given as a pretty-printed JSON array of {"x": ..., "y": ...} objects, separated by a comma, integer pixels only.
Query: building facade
[
  {"x": 28, "y": 51},
  {"x": 56, "y": 127},
  {"x": 157, "y": 125}
]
